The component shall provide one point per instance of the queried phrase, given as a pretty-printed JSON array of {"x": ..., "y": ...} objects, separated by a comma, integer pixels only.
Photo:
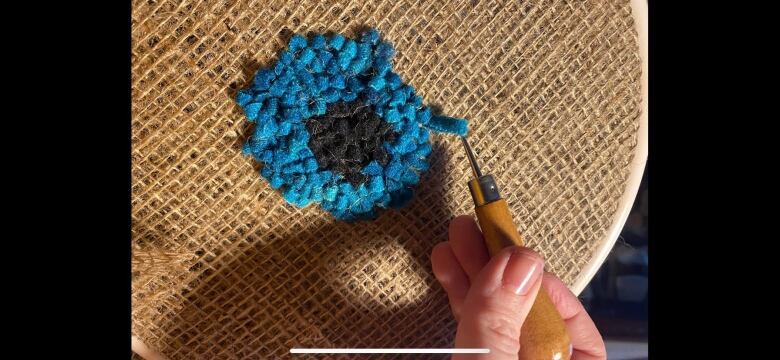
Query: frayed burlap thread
[{"x": 224, "y": 268}]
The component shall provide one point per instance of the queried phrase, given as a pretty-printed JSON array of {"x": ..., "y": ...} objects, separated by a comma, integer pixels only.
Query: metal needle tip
[{"x": 472, "y": 159}]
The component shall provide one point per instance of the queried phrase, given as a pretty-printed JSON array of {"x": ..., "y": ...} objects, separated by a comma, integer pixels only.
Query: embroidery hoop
[{"x": 142, "y": 235}]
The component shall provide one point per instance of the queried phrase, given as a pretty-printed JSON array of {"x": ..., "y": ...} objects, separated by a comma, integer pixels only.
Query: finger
[
  {"x": 585, "y": 337},
  {"x": 468, "y": 245},
  {"x": 498, "y": 302},
  {"x": 450, "y": 275}
]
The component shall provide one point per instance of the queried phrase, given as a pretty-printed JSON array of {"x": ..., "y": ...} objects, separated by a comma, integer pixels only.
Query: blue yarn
[
  {"x": 448, "y": 124},
  {"x": 311, "y": 74}
]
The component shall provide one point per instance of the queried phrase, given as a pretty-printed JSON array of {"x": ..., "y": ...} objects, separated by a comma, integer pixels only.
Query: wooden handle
[{"x": 543, "y": 336}]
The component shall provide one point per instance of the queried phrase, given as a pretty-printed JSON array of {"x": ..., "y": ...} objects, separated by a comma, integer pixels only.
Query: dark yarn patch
[{"x": 347, "y": 138}]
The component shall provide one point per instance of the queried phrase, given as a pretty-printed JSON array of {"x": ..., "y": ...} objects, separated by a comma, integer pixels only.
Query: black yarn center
[{"x": 348, "y": 137}]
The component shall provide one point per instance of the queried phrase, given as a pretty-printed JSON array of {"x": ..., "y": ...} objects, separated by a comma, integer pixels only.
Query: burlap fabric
[{"x": 223, "y": 267}]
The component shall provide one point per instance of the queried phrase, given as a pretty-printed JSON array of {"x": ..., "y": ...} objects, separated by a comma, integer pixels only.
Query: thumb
[{"x": 498, "y": 303}]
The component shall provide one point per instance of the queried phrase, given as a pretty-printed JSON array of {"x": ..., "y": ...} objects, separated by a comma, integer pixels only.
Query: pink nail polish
[{"x": 522, "y": 271}]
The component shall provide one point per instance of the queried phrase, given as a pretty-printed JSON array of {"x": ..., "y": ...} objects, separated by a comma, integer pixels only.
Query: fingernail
[{"x": 522, "y": 271}]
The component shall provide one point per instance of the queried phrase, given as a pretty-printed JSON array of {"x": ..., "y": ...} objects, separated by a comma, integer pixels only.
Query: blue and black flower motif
[{"x": 336, "y": 125}]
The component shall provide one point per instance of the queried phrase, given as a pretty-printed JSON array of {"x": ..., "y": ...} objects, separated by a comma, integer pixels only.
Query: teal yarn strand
[{"x": 449, "y": 124}]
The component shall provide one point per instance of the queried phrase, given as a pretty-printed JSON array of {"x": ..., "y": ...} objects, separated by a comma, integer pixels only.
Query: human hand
[{"x": 491, "y": 297}]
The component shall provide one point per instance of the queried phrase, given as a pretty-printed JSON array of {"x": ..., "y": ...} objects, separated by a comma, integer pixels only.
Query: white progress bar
[{"x": 389, "y": 351}]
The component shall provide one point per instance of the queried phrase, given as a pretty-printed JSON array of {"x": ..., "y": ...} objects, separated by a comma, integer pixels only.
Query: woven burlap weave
[{"x": 223, "y": 267}]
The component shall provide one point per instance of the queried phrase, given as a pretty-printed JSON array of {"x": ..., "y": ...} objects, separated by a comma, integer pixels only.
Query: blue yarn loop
[{"x": 309, "y": 75}]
